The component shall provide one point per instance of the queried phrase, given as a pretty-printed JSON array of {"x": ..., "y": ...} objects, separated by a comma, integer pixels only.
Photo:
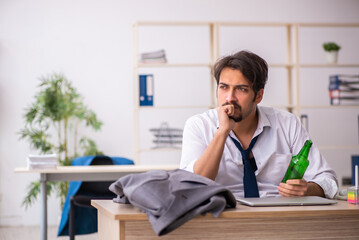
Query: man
[{"x": 215, "y": 142}]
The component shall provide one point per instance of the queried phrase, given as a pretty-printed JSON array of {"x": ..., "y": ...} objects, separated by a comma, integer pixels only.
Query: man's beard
[{"x": 239, "y": 108}]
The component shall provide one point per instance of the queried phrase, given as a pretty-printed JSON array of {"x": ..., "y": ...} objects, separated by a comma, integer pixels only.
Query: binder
[
  {"x": 149, "y": 90},
  {"x": 146, "y": 89},
  {"x": 142, "y": 90},
  {"x": 343, "y": 89}
]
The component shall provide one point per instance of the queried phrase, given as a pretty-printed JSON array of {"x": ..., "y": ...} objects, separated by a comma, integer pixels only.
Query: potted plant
[
  {"x": 58, "y": 109},
  {"x": 331, "y": 49}
]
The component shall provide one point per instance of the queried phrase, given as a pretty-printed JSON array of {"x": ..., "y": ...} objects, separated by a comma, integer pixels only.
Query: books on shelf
[
  {"x": 153, "y": 57},
  {"x": 146, "y": 89},
  {"x": 344, "y": 89},
  {"x": 42, "y": 161},
  {"x": 166, "y": 137}
]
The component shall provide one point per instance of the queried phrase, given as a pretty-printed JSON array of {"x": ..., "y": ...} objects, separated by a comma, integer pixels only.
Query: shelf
[
  {"x": 160, "y": 150},
  {"x": 280, "y": 65},
  {"x": 171, "y": 107},
  {"x": 328, "y": 25},
  {"x": 278, "y": 106},
  {"x": 169, "y": 65},
  {"x": 327, "y": 106},
  {"x": 319, "y": 65},
  {"x": 172, "y": 23},
  {"x": 348, "y": 147},
  {"x": 254, "y": 24}
]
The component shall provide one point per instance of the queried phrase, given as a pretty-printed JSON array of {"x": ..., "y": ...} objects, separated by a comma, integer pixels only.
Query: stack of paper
[
  {"x": 154, "y": 57},
  {"x": 42, "y": 161}
]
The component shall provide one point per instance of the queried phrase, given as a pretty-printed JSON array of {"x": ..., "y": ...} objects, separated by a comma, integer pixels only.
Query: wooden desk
[
  {"x": 338, "y": 221},
  {"x": 83, "y": 173}
]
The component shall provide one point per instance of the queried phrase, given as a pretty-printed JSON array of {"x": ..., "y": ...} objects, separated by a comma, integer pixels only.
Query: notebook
[{"x": 286, "y": 201}]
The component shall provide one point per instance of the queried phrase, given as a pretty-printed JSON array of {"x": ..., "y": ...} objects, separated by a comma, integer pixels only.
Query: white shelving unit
[
  {"x": 288, "y": 60},
  {"x": 327, "y": 32},
  {"x": 172, "y": 65}
]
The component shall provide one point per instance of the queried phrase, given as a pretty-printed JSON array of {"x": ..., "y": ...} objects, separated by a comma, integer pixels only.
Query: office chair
[
  {"x": 88, "y": 191},
  {"x": 81, "y": 193}
]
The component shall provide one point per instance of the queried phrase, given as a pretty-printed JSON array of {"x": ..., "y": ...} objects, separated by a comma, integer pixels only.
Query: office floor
[{"x": 33, "y": 233}]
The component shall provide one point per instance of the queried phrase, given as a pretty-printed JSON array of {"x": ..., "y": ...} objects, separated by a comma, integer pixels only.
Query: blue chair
[{"x": 78, "y": 216}]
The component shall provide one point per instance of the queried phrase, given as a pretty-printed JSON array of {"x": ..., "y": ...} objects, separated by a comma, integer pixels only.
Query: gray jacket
[{"x": 172, "y": 198}]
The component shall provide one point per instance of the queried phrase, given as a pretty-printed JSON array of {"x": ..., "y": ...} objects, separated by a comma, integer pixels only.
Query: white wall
[{"x": 91, "y": 42}]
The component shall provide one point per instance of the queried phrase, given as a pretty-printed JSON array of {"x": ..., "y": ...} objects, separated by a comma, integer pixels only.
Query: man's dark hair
[{"x": 253, "y": 67}]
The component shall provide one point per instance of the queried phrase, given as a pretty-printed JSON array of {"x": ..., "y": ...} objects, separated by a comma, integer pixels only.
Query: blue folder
[
  {"x": 146, "y": 89},
  {"x": 86, "y": 216}
]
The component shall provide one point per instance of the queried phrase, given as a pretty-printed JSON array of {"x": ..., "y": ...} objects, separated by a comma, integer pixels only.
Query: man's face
[{"x": 234, "y": 89}]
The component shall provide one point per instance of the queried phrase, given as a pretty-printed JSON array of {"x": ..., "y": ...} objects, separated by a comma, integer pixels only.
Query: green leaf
[
  {"x": 33, "y": 192},
  {"x": 34, "y": 189},
  {"x": 331, "y": 46},
  {"x": 90, "y": 147}
]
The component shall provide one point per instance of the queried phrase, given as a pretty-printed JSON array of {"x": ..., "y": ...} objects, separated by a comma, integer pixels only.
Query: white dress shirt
[{"x": 281, "y": 135}]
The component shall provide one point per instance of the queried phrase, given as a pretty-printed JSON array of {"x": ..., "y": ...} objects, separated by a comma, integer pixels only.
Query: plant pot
[{"x": 332, "y": 57}]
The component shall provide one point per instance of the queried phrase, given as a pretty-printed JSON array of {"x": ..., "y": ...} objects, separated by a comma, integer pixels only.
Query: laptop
[{"x": 285, "y": 201}]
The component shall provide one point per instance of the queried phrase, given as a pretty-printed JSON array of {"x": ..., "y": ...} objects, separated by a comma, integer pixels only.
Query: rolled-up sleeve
[
  {"x": 329, "y": 186},
  {"x": 321, "y": 173},
  {"x": 193, "y": 143},
  {"x": 318, "y": 170}
]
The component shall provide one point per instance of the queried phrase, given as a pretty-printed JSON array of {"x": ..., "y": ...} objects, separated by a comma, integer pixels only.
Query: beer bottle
[{"x": 298, "y": 164}]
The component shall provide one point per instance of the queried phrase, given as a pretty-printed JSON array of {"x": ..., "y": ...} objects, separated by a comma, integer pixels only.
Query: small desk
[
  {"x": 338, "y": 221},
  {"x": 83, "y": 173}
]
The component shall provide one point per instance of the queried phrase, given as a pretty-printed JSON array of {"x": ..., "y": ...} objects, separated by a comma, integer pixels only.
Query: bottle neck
[{"x": 304, "y": 152}]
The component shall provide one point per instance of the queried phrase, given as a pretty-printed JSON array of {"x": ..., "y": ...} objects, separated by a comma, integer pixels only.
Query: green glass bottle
[{"x": 298, "y": 164}]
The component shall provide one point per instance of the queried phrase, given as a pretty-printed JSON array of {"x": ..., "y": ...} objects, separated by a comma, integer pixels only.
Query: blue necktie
[{"x": 249, "y": 178}]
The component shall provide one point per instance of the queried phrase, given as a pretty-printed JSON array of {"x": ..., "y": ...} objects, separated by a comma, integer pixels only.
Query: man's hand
[
  {"x": 293, "y": 187},
  {"x": 225, "y": 123},
  {"x": 300, "y": 187}
]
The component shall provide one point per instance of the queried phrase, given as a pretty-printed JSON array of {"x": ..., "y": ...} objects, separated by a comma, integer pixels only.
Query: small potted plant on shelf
[{"x": 331, "y": 49}]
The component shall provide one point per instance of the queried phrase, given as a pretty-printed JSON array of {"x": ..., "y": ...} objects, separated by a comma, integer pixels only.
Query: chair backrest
[{"x": 97, "y": 188}]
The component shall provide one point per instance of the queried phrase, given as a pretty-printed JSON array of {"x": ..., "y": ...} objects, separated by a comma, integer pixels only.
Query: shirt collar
[{"x": 263, "y": 121}]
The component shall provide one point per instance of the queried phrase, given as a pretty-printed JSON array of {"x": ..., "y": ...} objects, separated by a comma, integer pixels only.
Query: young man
[{"x": 218, "y": 143}]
